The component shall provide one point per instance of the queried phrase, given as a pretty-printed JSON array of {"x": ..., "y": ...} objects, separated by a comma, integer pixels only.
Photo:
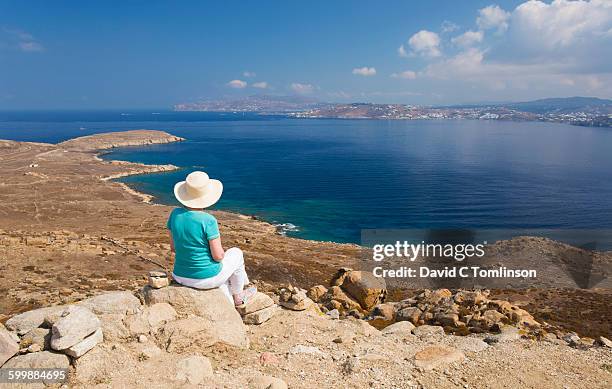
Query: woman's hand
[{"x": 216, "y": 249}]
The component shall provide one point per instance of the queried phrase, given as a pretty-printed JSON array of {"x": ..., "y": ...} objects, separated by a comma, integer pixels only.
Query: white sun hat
[{"x": 198, "y": 190}]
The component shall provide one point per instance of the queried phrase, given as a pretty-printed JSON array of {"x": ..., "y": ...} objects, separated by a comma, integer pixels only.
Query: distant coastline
[{"x": 581, "y": 111}]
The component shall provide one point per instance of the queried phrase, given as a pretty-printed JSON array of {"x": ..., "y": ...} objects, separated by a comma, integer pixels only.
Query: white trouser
[{"x": 231, "y": 279}]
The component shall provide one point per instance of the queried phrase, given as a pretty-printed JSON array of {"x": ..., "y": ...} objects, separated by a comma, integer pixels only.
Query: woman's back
[{"x": 191, "y": 231}]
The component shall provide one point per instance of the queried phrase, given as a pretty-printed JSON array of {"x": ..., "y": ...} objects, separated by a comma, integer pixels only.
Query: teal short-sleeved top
[{"x": 191, "y": 231}]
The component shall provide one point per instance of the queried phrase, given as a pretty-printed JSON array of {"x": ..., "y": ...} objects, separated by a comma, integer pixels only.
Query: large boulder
[
  {"x": 191, "y": 334},
  {"x": 75, "y": 325},
  {"x": 85, "y": 345},
  {"x": 113, "y": 302},
  {"x": 114, "y": 327},
  {"x": 40, "y": 360},
  {"x": 150, "y": 319},
  {"x": 27, "y": 321},
  {"x": 364, "y": 287},
  {"x": 103, "y": 363},
  {"x": 261, "y": 316},
  {"x": 256, "y": 303},
  {"x": 211, "y": 305},
  {"x": 8, "y": 346}
]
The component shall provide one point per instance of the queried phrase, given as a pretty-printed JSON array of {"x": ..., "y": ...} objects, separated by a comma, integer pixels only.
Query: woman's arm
[
  {"x": 171, "y": 241},
  {"x": 216, "y": 249}
]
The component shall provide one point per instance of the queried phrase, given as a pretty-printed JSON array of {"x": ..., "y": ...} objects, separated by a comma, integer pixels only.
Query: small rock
[
  {"x": 603, "y": 341},
  {"x": 386, "y": 311},
  {"x": 267, "y": 358},
  {"x": 193, "y": 370},
  {"x": 436, "y": 356},
  {"x": 465, "y": 297},
  {"x": 296, "y": 300},
  {"x": 8, "y": 346},
  {"x": 76, "y": 323},
  {"x": 256, "y": 303},
  {"x": 301, "y": 349},
  {"x": 447, "y": 319},
  {"x": 34, "y": 348},
  {"x": 260, "y": 316},
  {"x": 142, "y": 339},
  {"x": 268, "y": 382},
  {"x": 427, "y": 331},
  {"x": 401, "y": 327},
  {"x": 333, "y": 314},
  {"x": 434, "y": 297},
  {"x": 158, "y": 279},
  {"x": 85, "y": 345},
  {"x": 316, "y": 292},
  {"x": 572, "y": 339},
  {"x": 411, "y": 314}
]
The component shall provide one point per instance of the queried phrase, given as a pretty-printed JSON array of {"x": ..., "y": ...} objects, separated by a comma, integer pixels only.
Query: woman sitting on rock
[{"x": 200, "y": 261}]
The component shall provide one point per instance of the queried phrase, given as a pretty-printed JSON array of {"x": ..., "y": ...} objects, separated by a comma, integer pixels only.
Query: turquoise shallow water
[{"x": 331, "y": 178}]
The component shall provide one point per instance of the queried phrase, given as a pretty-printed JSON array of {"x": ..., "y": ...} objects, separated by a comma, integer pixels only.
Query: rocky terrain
[
  {"x": 173, "y": 336},
  {"x": 69, "y": 235}
]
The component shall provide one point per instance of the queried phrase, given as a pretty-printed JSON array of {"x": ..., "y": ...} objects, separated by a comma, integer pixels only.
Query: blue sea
[{"x": 329, "y": 179}]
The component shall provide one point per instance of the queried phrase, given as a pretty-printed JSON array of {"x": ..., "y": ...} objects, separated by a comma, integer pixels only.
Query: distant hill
[
  {"x": 564, "y": 105},
  {"x": 255, "y": 103}
]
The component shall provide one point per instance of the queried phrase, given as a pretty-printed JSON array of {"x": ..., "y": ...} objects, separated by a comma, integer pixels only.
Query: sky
[{"x": 153, "y": 54}]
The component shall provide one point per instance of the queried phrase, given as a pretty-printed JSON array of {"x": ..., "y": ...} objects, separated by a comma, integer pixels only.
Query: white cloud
[
  {"x": 406, "y": 75},
  {"x": 561, "y": 23},
  {"x": 237, "y": 84},
  {"x": 365, "y": 71},
  {"x": 468, "y": 38},
  {"x": 493, "y": 17},
  {"x": 30, "y": 46},
  {"x": 401, "y": 51},
  {"x": 23, "y": 41},
  {"x": 425, "y": 43},
  {"x": 248, "y": 74},
  {"x": 448, "y": 26},
  {"x": 556, "y": 48},
  {"x": 302, "y": 89},
  {"x": 260, "y": 85}
]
